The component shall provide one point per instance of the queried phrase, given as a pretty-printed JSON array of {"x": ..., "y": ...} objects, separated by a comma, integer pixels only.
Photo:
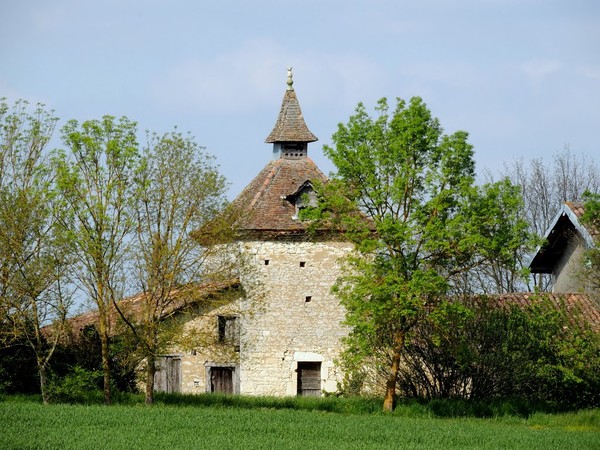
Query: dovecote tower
[
  {"x": 289, "y": 343},
  {"x": 284, "y": 328}
]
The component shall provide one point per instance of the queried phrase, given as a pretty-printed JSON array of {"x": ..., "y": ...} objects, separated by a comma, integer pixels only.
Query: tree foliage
[
  {"x": 95, "y": 182},
  {"x": 485, "y": 348},
  {"x": 178, "y": 189},
  {"x": 33, "y": 251},
  {"x": 591, "y": 269},
  {"x": 423, "y": 223}
]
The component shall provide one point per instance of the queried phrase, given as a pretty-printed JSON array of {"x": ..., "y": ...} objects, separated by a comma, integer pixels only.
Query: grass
[{"x": 185, "y": 423}]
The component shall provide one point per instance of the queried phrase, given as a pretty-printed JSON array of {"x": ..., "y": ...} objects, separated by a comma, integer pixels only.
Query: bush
[
  {"x": 481, "y": 350},
  {"x": 78, "y": 386}
]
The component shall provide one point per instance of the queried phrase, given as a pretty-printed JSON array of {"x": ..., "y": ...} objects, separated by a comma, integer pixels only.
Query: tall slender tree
[
  {"x": 95, "y": 178},
  {"x": 424, "y": 224},
  {"x": 178, "y": 190},
  {"x": 33, "y": 252}
]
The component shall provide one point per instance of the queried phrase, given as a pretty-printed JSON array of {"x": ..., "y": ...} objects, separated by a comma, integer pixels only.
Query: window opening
[{"x": 229, "y": 330}]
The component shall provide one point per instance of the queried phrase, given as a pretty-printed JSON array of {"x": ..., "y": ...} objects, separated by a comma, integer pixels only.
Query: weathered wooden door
[
  {"x": 168, "y": 374},
  {"x": 309, "y": 379},
  {"x": 221, "y": 379}
]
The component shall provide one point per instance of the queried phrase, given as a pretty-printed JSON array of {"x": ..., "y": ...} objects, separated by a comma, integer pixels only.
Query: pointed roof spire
[{"x": 290, "y": 125}]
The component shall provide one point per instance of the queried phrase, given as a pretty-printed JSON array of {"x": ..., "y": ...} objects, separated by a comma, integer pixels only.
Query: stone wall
[
  {"x": 292, "y": 315},
  {"x": 287, "y": 315},
  {"x": 568, "y": 270},
  {"x": 198, "y": 347}
]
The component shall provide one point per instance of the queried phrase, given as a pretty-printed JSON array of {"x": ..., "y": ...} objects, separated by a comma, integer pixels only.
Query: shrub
[
  {"x": 79, "y": 386},
  {"x": 478, "y": 350}
]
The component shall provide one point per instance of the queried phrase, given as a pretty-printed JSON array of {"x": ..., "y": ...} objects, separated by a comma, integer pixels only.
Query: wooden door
[
  {"x": 309, "y": 379},
  {"x": 168, "y": 374},
  {"x": 221, "y": 379},
  {"x": 174, "y": 375}
]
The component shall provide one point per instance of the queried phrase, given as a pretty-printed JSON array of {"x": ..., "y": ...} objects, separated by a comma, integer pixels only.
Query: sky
[{"x": 521, "y": 76}]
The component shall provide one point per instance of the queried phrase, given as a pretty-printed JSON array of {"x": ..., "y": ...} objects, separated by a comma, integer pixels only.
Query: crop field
[{"x": 30, "y": 425}]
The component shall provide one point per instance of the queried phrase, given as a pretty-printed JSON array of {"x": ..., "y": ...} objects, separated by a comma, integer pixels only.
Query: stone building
[
  {"x": 279, "y": 334},
  {"x": 562, "y": 253}
]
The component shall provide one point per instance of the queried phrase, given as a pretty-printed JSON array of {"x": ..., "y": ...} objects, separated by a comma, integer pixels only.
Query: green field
[{"x": 30, "y": 425}]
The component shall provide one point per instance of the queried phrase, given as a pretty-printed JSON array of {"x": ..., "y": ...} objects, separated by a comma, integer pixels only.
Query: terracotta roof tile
[
  {"x": 577, "y": 208},
  {"x": 578, "y": 304},
  {"x": 264, "y": 205}
]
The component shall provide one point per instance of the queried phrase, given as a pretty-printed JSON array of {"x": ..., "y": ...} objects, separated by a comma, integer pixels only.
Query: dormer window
[{"x": 304, "y": 197}]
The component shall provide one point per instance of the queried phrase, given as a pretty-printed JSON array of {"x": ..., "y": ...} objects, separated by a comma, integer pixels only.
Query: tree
[
  {"x": 591, "y": 218},
  {"x": 33, "y": 252},
  {"x": 423, "y": 224},
  {"x": 95, "y": 181},
  {"x": 178, "y": 190}
]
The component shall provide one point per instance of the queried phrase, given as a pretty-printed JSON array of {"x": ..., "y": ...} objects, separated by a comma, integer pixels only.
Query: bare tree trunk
[
  {"x": 43, "y": 381},
  {"x": 150, "y": 371},
  {"x": 103, "y": 329},
  {"x": 390, "y": 387}
]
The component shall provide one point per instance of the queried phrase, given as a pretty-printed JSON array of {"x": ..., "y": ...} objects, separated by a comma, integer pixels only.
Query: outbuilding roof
[
  {"x": 581, "y": 308},
  {"x": 565, "y": 225},
  {"x": 181, "y": 298}
]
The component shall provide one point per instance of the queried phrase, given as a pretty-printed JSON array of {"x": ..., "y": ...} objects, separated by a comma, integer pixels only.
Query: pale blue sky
[{"x": 522, "y": 77}]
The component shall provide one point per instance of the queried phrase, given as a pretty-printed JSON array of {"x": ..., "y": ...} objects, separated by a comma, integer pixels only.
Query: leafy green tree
[
  {"x": 178, "y": 190},
  {"x": 423, "y": 224},
  {"x": 95, "y": 178},
  {"x": 33, "y": 252},
  {"x": 591, "y": 218}
]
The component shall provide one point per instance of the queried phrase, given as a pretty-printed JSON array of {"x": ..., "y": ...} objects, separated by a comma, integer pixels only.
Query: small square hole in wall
[
  {"x": 302, "y": 263},
  {"x": 266, "y": 262},
  {"x": 308, "y": 298}
]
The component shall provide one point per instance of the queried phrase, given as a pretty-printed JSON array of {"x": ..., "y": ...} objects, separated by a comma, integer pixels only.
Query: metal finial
[{"x": 290, "y": 82}]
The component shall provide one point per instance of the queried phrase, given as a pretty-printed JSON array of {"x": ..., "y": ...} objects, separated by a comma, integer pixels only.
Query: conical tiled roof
[
  {"x": 290, "y": 125},
  {"x": 266, "y": 205}
]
